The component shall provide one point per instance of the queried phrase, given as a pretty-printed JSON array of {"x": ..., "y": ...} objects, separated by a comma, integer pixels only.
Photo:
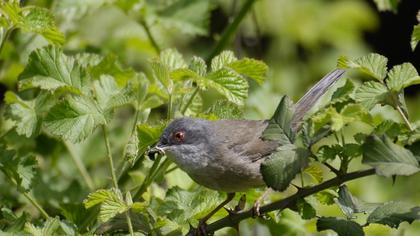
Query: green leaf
[
  {"x": 74, "y": 119},
  {"x": 402, "y": 76},
  {"x": 148, "y": 135},
  {"x": 41, "y": 21},
  {"x": 350, "y": 204},
  {"x": 223, "y": 59},
  {"x": 372, "y": 93},
  {"x": 27, "y": 114},
  {"x": 49, "y": 69},
  {"x": 281, "y": 167},
  {"x": 344, "y": 90},
  {"x": 394, "y": 213},
  {"x": 111, "y": 202},
  {"x": 315, "y": 172},
  {"x": 279, "y": 127},
  {"x": 184, "y": 206},
  {"x": 172, "y": 59},
  {"x": 198, "y": 65},
  {"x": 229, "y": 84},
  {"x": 226, "y": 110},
  {"x": 305, "y": 209},
  {"x": 52, "y": 227},
  {"x": 340, "y": 226},
  {"x": 250, "y": 68},
  {"x": 387, "y": 5},
  {"x": 139, "y": 222},
  {"x": 373, "y": 64},
  {"x": 32, "y": 19},
  {"x": 188, "y": 16},
  {"x": 20, "y": 169},
  {"x": 326, "y": 197},
  {"x": 388, "y": 158},
  {"x": 110, "y": 65},
  {"x": 110, "y": 96},
  {"x": 415, "y": 37}
]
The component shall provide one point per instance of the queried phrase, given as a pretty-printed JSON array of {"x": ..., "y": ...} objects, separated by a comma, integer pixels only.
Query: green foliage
[
  {"x": 30, "y": 19},
  {"x": 341, "y": 226},
  {"x": 107, "y": 74},
  {"x": 415, "y": 35}
]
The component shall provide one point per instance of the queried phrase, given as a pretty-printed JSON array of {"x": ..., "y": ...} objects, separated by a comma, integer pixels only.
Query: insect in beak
[{"x": 155, "y": 150}]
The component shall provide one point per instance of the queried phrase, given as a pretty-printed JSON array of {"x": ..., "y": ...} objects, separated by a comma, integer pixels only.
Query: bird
[{"x": 226, "y": 155}]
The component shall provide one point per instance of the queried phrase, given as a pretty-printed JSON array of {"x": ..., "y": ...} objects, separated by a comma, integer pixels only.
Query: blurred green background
[{"x": 300, "y": 40}]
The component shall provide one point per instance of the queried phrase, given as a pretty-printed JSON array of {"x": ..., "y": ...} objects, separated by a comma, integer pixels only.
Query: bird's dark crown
[{"x": 195, "y": 131}]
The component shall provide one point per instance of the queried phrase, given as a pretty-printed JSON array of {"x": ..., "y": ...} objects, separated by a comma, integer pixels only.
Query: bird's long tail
[{"x": 311, "y": 97}]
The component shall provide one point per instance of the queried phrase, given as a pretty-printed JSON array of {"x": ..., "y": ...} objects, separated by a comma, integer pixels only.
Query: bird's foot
[{"x": 256, "y": 207}]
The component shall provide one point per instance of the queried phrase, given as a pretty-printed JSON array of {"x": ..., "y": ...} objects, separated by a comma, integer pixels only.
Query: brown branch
[{"x": 234, "y": 219}]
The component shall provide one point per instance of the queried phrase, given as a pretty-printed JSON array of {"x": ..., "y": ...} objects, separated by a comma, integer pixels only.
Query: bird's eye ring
[{"x": 179, "y": 136}]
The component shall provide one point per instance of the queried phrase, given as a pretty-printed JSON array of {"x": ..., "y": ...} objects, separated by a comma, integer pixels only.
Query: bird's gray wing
[{"x": 243, "y": 137}]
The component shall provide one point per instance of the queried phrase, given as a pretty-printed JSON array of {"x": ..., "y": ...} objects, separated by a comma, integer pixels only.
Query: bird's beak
[{"x": 156, "y": 149}]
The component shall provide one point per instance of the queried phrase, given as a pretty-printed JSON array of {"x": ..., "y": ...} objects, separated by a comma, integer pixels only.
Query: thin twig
[
  {"x": 234, "y": 219},
  {"x": 406, "y": 121},
  {"x": 150, "y": 35},
  {"x": 36, "y": 205},
  {"x": 129, "y": 224},
  {"x": 80, "y": 166},
  {"x": 109, "y": 155}
]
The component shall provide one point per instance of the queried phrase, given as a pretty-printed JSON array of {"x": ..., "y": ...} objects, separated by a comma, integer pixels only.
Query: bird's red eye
[{"x": 179, "y": 136}]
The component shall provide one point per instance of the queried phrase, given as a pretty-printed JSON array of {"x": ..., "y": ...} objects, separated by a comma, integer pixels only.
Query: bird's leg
[
  {"x": 257, "y": 204},
  {"x": 229, "y": 198}
]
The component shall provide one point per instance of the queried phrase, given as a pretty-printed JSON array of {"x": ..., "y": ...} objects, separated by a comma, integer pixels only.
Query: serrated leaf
[
  {"x": 326, "y": 197},
  {"x": 74, "y": 119},
  {"x": 188, "y": 16},
  {"x": 223, "y": 59},
  {"x": 49, "y": 69},
  {"x": 371, "y": 93},
  {"x": 340, "y": 226},
  {"x": 139, "y": 222},
  {"x": 226, "y": 110},
  {"x": 402, "y": 76},
  {"x": 110, "y": 96},
  {"x": 48, "y": 229},
  {"x": 184, "y": 206},
  {"x": 228, "y": 84},
  {"x": 250, "y": 68},
  {"x": 27, "y": 114},
  {"x": 372, "y": 64},
  {"x": 394, "y": 213},
  {"x": 281, "y": 167},
  {"x": 315, "y": 172},
  {"x": 198, "y": 65},
  {"x": 20, "y": 169},
  {"x": 415, "y": 37},
  {"x": 148, "y": 135},
  {"x": 305, "y": 209},
  {"x": 350, "y": 204},
  {"x": 111, "y": 202},
  {"x": 344, "y": 90},
  {"x": 109, "y": 65},
  {"x": 172, "y": 59},
  {"x": 279, "y": 127},
  {"x": 32, "y": 19},
  {"x": 388, "y": 158}
]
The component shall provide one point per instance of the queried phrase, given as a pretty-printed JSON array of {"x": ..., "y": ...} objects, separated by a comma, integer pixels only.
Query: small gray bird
[{"x": 226, "y": 155}]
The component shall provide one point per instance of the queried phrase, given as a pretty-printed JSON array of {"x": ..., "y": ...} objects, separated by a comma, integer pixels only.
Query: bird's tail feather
[{"x": 311, "y": 97}]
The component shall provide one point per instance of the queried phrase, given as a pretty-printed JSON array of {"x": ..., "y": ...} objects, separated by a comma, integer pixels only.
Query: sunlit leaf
[
  {"x": 371, "y": 93},
  {"x": 223, "y": 59},
  {"x": 250, "y": 68},
  {"x": 372, "y": 64},
  {"x": 415, "y": 37},
  {"x": 74, "y": 119},
  {"x": 402, "y": 76},
  {"x": 50, "y": 69}
]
